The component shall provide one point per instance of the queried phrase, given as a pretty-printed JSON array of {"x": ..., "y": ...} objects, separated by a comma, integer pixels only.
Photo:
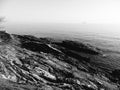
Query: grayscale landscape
[{"x": 59, "y": 45}]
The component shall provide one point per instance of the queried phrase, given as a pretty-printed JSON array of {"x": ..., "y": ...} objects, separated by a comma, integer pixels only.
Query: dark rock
[
  {"x": 79, "y": 47},
  {"x": 30, "y": 63},
  {"x": 5, "y": 37}
]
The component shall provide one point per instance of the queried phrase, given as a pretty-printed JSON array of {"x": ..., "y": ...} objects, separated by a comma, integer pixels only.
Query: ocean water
[{"x": 102, "y": 36}]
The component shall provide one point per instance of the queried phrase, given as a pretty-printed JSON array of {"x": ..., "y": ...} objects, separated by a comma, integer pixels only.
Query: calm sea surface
[{"x": 102, "y": 36}]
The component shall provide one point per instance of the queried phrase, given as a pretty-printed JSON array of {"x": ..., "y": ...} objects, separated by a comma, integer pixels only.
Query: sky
[{"x": 62, "y": 11}]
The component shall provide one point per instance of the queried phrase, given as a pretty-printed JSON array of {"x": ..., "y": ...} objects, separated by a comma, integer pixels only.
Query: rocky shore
[{"x": 31, "y": 63}]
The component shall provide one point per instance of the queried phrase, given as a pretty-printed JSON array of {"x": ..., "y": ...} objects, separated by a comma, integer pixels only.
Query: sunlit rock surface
[{"x": 30, "y": 63}]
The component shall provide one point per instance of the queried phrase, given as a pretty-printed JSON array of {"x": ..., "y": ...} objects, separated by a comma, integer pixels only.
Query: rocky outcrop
[
  {"x": 5, "y": 37},
  {"x": 30, "y": 63}
]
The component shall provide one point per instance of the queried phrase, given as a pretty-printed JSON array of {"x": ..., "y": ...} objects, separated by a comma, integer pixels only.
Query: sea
[{"x": 106, "y": 36}]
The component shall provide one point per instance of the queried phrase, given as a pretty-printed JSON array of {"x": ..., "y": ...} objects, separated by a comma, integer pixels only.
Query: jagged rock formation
[{"x": 30, "y": 63}]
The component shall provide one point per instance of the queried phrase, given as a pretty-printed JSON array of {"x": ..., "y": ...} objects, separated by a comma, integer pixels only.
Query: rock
[
  {"x": 30, "y": 63},
  {"x": 4, "y": 36}
]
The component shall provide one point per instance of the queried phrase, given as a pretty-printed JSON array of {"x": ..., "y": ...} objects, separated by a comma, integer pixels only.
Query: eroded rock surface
[{"x": 30, "y": 63}]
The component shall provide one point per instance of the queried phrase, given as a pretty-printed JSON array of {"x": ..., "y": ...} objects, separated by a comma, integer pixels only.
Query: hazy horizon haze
[{"x": 95, "y": 16}]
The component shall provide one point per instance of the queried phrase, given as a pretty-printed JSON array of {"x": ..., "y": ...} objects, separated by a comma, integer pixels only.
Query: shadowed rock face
[
  {"x": 30, "y": 63},
  {"x": 4, "y": 37}
]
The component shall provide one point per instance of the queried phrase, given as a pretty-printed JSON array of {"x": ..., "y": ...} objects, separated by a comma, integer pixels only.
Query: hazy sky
[
  {"x": 101, "y": 16},
  {"x": 61, "y": 11}
]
